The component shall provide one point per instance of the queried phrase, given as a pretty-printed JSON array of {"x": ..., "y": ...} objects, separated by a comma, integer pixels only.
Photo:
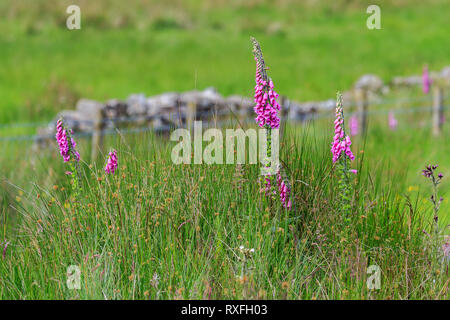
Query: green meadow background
[{"x": 313, "y": 48}]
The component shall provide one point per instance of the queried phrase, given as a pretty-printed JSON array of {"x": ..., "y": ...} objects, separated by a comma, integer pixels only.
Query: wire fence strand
[
  {"x": 112, "y": 131},
  {"x": 147, "y": 118}
]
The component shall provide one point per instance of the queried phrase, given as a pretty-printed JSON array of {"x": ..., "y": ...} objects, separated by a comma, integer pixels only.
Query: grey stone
[
  {"x": 137, "y": 105},
  {"x": 445, "y": 73},
  {"x": 89, "y": 108},
  {"x": 369, "y": 82}
]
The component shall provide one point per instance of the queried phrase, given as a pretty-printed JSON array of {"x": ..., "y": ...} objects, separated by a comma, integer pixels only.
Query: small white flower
[{"x": 155, "y": 280}]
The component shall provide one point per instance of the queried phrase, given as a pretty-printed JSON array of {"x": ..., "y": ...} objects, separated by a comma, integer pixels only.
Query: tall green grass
[{"x": 156, "y": 230}]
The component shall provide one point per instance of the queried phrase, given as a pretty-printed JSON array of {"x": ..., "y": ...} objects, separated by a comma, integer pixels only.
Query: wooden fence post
[
  {"x": 97, "y": 134},
  {"x": 362, "y": 104},
  {"x": 438, "y": 110},
  {"x": 191, "y": 112}
]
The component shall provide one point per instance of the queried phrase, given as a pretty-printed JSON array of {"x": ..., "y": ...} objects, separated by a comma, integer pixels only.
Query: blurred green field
[{"x": 314, "y": 48}]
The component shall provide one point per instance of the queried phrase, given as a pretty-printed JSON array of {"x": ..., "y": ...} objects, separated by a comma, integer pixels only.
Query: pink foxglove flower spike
[
  {"x": 426, "y": 81},
  {"x": 284, "y": 190},
  {"x": 392, "y": 121},
  {"x": 266, "y": 107},
  {"x": 341, "y": 142},
  {"x": 66, "y": 149},
  {"x": 111, "y": 164}
]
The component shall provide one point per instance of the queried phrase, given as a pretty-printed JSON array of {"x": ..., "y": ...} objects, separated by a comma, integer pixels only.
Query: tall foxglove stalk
[
  {"x": 284, "y": 189},
  {"x": 111, "y": 163},
  {"x": 341, "y": 154},
  {"x": 67, "y": 149},
  {"x": 266, "y": 109},
  {"x": 341, "y": 141},
  {"x": 66, "y": 143}
]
